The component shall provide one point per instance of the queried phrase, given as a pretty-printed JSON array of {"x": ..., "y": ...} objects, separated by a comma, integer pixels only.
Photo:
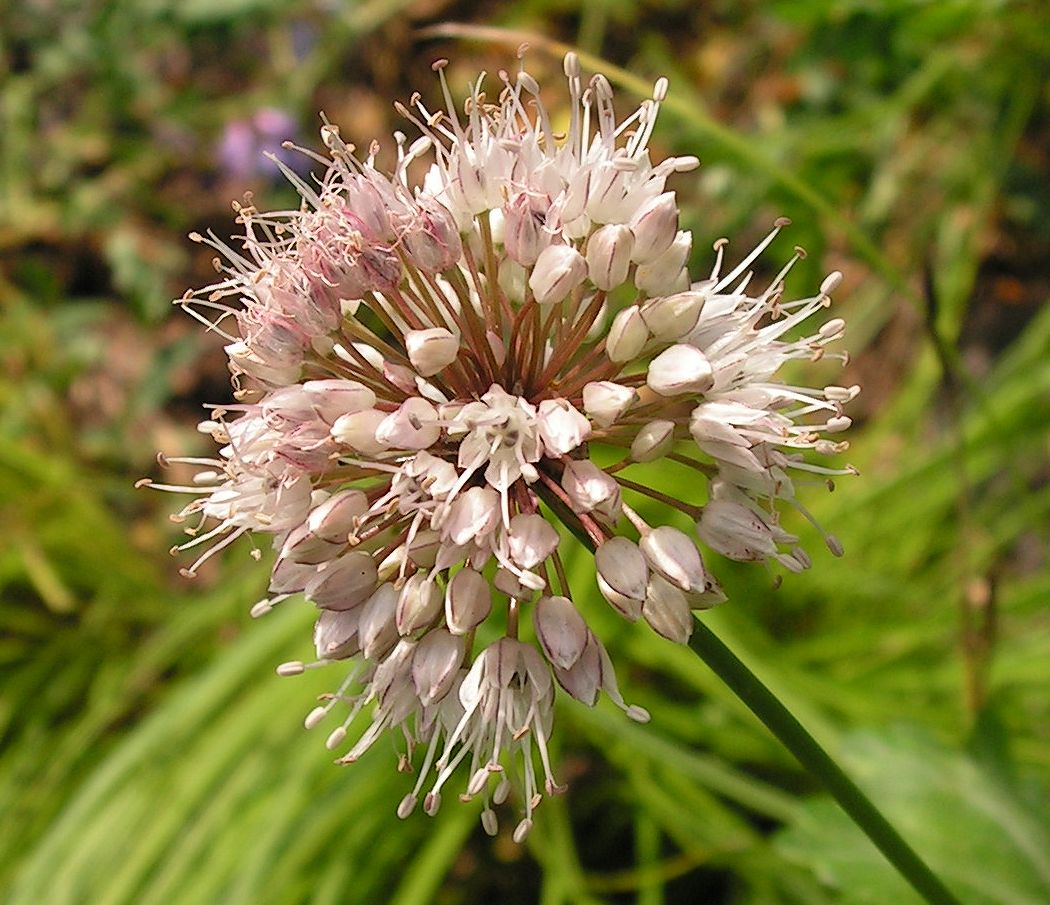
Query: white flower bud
[
  {"x": 655, "y": 225},
  {"x": 599, "y": 326},
  {"x": 411, "y": 426},
  {"x": 435, "y": 663},
  {"x": 512, "y": 279},
  {"x": 606, "y": 402},
  {"x": 652, "y": 442},
  {"x": 531, "y": 539},
  {"x": 671, "y": 317},
  {"x": 431, "y": 350},
  {"x": 418, "y": 605},
  {"x": 627, "y": 335},
  {"x": 680, "y": 369},
  {"x": 270, "y": 369},
  {"x": 334, "y": 519},
  {"x": 609, "y": 255},
  {"x": 667, "y": 610},
  {"x": 559, "y": 269},
  {"x": 561, "y": 427},
  {"x": 377, "y": 630},
  {"x": 343, "y": 583},
  {"x": 436, "y": 475},
  {"x": 561, "y": 631},
  {"x": 667, "y": 272},
  {"x": 472, "y": 515},
  {"x": 335, "y": 634},
  {"x": 674, "y": 555},
  {"x": 589, "y": 488},
  {"x": 622, "y": 575},
  {"x": 606, "y": 192},
  {"x": 468, "y": 601},
  {"x": 335, "y": 397},
  {"x": 358, "y": 431}
]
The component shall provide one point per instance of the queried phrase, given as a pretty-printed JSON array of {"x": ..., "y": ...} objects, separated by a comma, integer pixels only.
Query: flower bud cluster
[{"x": 422, "y": 373}]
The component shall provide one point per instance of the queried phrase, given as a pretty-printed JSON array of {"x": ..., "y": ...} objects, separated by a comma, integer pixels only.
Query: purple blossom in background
[{"x": 241, "y": 151}]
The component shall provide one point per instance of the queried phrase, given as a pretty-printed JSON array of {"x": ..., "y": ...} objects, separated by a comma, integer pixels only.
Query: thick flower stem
[{"x": 779, "y": 720}]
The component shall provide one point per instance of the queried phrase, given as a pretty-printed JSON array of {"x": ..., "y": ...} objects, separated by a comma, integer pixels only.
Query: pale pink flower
[{"x": 422, "y": 373}]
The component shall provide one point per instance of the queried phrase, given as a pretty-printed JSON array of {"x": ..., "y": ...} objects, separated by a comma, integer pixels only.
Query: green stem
[{"x": 779, "y": 720}]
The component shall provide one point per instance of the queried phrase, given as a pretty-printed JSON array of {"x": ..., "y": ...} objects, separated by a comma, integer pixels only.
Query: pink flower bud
[
  {"x": 507, "y": 582},
  {"x": 424, "y": 548},
  {"x": 435, "y": 663},
  {"x": 680, "y": 369},
  {"x": 583, "y": 679},
  {"x": 334, "y": 519},
  {"x": 559, "y": 269},
  {"x": 358, "y": 431},
  {"x": 561, "y": 631},
  {"x": 418, "y": 605},
  {"x": 431, "y": 350},
  {"x": 303, "y": 546},
  {"x": 561, "y": 427},
  {"x": 531, "y": 539},
  {"x": 472, "y": 515},
  {"x": 591, "y": 489},
  {"x": 431, "y": 239},
  {"x": 655, "y": 225},
  {"x": 411, "y": 426},
  {"x": 335, "y": 634},
  {"x": 468, "y": 600},
  {"x": 343, "y": 583},
  {"x": 609, "y": 255},
  {"x": 333, "y": 397},
  {"x": 667, "y": 611},
  {"x": 622, "y": 575},
  {"x": 524, "y": 236},
  {"x": 674, "y": 555},
  {"x": 378, "y": 629}
]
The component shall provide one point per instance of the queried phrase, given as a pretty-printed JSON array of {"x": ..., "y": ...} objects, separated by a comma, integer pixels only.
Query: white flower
[{"x": 422, "y": 374}]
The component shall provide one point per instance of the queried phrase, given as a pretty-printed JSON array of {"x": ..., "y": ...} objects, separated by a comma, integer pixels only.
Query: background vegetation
[{"x": 148, "y": 754}]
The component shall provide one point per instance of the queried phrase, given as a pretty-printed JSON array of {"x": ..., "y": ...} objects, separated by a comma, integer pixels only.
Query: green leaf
[{"x": 984, "y": 836}]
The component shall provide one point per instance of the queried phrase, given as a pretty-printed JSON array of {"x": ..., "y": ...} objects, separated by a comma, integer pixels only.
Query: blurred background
[{"x": 148, "y": 753}]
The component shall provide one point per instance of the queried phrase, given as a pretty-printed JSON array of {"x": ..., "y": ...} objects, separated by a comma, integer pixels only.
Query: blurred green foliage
[{"x": 147, "y": 752}]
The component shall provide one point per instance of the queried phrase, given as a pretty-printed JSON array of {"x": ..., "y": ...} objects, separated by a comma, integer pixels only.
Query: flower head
[{"x": 422, "y": 372}]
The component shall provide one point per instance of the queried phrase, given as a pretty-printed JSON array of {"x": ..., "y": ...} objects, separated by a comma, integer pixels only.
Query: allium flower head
[{"x": 422, "y": 373}]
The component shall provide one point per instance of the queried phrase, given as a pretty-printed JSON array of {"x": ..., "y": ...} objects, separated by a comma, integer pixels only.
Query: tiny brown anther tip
[
  {"x": 781, "y": 222},
  {"x": 438, "y": 65}
]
